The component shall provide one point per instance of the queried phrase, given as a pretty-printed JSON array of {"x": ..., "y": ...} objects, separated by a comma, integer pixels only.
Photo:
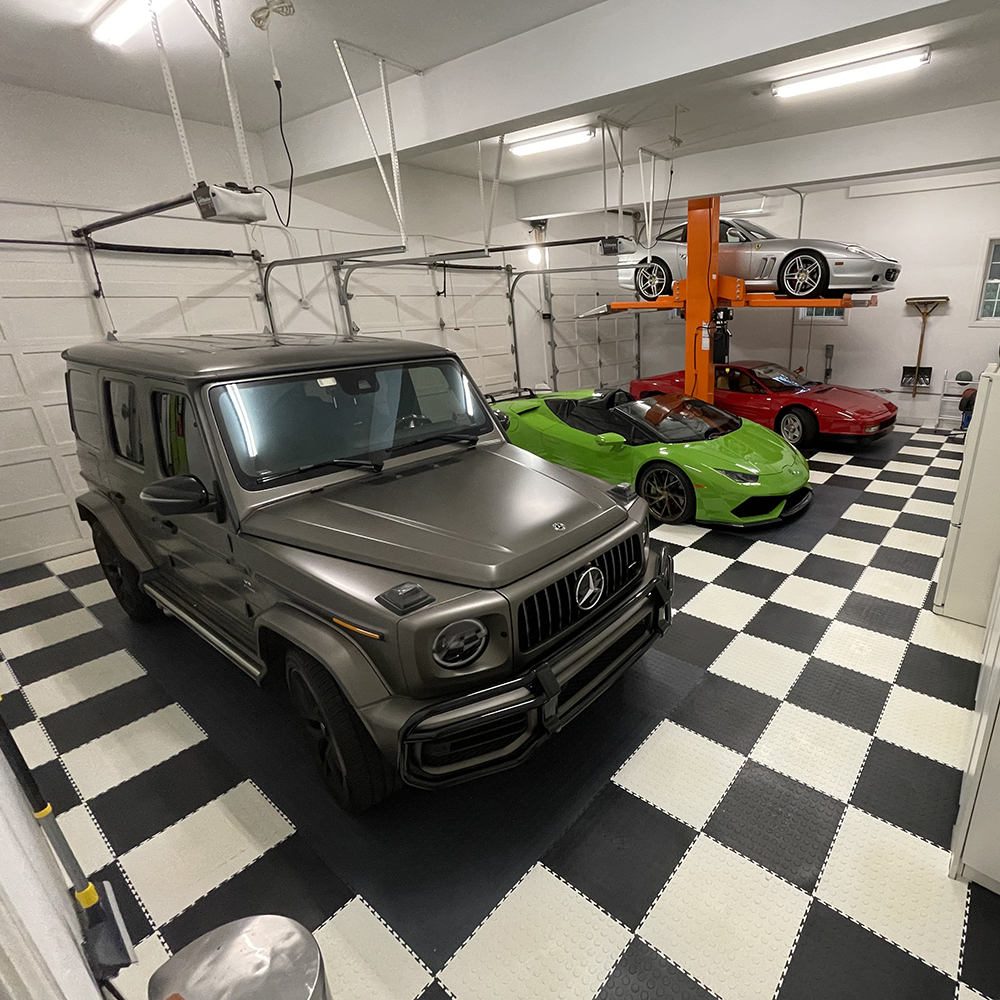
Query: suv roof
[{"x": 213, "y": 357}]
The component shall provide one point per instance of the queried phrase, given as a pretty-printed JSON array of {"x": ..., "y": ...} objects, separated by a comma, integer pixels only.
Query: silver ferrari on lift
[{"x": 800, "y": 268}]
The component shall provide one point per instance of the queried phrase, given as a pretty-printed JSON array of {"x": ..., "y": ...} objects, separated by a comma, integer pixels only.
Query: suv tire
[
  {"x": 123, "y": 578},
  {"x": 353, "y": 769}
]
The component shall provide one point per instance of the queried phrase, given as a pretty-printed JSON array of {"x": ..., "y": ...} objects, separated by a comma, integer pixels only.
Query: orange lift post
[{"x": 705, "y": 290}]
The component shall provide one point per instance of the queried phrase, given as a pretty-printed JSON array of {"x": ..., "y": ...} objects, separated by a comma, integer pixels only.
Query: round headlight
[{"x": 460, "y": 643}]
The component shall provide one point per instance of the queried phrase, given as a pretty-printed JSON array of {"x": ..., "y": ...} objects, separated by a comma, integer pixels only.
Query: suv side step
[{"x": 171, "y": 607}]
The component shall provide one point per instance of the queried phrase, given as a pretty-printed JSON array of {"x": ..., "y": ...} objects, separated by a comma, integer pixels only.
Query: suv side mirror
[
  {"x": 178, "y": 495},
  {"x": 610, "y": 440},
  {"x": 502, "y": 418}
]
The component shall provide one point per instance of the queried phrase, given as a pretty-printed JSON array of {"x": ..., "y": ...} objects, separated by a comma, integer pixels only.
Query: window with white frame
[
  {"x": 824, "y": 314},
  {"x": 989, "y": 304}
]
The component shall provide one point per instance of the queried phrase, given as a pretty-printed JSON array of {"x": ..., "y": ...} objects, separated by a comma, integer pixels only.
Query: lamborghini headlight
[{"x": 743, "y": 478}]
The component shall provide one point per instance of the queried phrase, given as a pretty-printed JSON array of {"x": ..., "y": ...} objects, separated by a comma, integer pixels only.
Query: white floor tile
[
  {"x": 130, "y": 750},
  {"x": 23, "y": 640},
  {"x": 8, "y": 682},
  {"x": 770, "y": 556},
  {"x": 898, "y": 886},
  {"x": 84, "y": 839},
  {"x": 947, "y": 635},
  {"x": 80, "y": 683},
  {"x": 887, "y": 488},
  {"x": 816, "y": 476},
  {"x": 928, "y": 726},
  {"x": 726, "y": 921},
  {"x": 544, "y": 940},
  {"x": 680, "y": 772},
  {"x": 33, "y": 743},
  {"x": 946, "y": 463},
  {"x": 907, "y": 468},
  {"x": 133, "y": 980},
  {"x": 364, "y": 960},
  {"x": 94, "y": 593},
  {"x": 914, "y": 541},
  {"x": 832, "y": 457},
  {"x": 871, "y": 515},
  {"x": 813, "y": 749},
  {"x": 933, "y": 439},
  {"x": 936, "y": 483},
  {"x": 813, "y": 596},
  {"x": 69, "y": 563},
  {"x": 915, "y": 449},
  {"x": 907, "y": 428},
  {"x": 181, "y": 864},
  {"x": 890, "y": 586},
  {"x": 730, "y": 608},
  {"x": 849, "y": 549},
  {"x": 679, "y": 534},
  {"x": 858, "y": 471},
  {"x": 761, "y": 665},
  {"x": 700, "y": 565},
  {"x": 861, "y": 649},
  {"x": 928, "y": 508},
  {"x": 12, "y": 597}
]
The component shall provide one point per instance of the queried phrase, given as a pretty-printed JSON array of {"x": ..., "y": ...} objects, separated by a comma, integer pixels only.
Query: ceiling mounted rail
[{"x": 608, "y": 127}]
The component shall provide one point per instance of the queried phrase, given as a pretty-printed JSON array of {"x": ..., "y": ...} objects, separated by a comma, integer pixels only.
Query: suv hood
[{"x": 483, "y": 517}]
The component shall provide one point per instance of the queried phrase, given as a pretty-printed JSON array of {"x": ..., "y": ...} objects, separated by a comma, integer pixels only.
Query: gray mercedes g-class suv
[{"x": 350, "y": 517}]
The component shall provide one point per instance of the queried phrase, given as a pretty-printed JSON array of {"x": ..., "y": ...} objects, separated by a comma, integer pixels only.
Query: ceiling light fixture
[
  {"x": 573, "y": 137},
  {"x": 856, "y": 72},
  {"x": 123, "y": 19}
]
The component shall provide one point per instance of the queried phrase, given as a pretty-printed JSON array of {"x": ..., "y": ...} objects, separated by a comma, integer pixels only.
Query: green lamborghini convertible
[{"x": 689, "y": 460}]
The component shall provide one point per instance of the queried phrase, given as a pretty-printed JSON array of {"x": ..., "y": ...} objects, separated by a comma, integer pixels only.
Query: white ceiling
[
  {"x": 740, "y": 109},
  {"x": 46, "y": 45}
]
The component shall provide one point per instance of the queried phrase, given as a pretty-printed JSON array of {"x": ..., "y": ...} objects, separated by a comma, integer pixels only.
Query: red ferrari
[{"x": 775, "y": 397}]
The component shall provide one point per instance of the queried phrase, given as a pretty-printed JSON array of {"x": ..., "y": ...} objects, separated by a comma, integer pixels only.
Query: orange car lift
[{"x": 705, "y": 290}]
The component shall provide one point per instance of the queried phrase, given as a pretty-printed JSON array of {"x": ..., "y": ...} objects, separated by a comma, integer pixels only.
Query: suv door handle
[
  {"x": 169, "y": 525},
  {"x": 116, "y": 496}
]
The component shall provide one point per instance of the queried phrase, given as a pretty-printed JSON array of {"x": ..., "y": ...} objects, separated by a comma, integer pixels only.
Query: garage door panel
[
  {"x": 493, "y": 339},
  {"x": 43, "y": 372},
  {"x": 10, "y": 381},
  {"x": 31, "y": 480},
  {"x": 19, "y": 429},
  {"x": 420, "y": 310},
  {"x": 57, "y": 416},
  {"x": 375, "y": 312},
  {"x": 34, "y": 319},
  {"x": 36, "y": 533},
  {"x": 219, "y": 313}
]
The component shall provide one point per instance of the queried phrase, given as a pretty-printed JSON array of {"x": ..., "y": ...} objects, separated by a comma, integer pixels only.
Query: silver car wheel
[
  {"x": 791, "y": 428},
  {"x": 651, "y": 280},
  {"x": 803, "y": 275}
]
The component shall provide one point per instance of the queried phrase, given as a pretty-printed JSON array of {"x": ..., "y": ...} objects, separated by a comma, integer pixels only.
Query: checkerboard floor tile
[{"x": 761, "y": 808}]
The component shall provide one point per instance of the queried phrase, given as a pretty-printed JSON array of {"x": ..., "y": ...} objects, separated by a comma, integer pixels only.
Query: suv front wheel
[
  {"x": 123, "y": 578},
  {"x": 350, "y": 764}
]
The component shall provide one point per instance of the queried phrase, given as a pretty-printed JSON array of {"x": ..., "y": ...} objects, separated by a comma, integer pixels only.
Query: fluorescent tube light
[
  {"x": 555, "y": 141},
  {"x": 123, "y": 19},
  {"x": 857, "y": 72}
]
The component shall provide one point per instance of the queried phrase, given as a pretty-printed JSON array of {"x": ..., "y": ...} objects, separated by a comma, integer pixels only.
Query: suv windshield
[
  {"x": 776, "y": 379},
  {"x": 676, "y": 418},
  {"x": 283, "y": 429}
]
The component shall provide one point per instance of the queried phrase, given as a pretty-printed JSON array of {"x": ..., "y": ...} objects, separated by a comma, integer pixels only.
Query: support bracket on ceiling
[
  {"x": 647, "y": 203},
  {"x": 488, "y": 219}
]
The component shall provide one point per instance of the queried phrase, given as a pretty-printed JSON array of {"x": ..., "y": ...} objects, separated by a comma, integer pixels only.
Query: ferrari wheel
[
  {"x": 652, "y": 279},
  {"x": 802, "y": 275},
  {"x": 668, "y": 492},
  {"x": 798, "y": 426}
]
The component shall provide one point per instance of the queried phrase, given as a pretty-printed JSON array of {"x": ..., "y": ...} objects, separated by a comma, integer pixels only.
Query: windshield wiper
[
  {"x": 346, "y": 463},
  {"x": 459, "y": 437}
]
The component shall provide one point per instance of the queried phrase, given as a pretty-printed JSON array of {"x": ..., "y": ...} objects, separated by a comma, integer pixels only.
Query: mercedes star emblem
[
  {"x": 559, "y": 526},
  {"x": 589, "y": 588}
]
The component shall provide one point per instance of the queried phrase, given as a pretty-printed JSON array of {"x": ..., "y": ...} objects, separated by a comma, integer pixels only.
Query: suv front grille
[
  {"x": 553, "y": 609},
  {"x": 601, "y": 662},
  {"x": 475, "y": 742}
]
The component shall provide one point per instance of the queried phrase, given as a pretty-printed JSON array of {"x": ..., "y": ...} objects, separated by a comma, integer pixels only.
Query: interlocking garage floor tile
[
  {"x": 949, "y": 636},
  {"x": 859, "y": 530},
  {"x": 836, "y": 958},
  {"x": 778, "y": 822},
  {"x": 902, "y": 588},
  {"x": 929, "y": 508},
  {"x": 844, "y": 695},
  {"x": 56, "y": 787},
  {"x": 84, "y": 839},
  {"x": 898, "y": 477},
  {"x": 811, "y": 596},
  {"x": 63, "y": 655},
  {"x": 680, "y": 772},
  {"x": 934, "y": 728},
  {"x": 888, "y": 487},
  {"x": 704, "y": 566},
  {"x": 888, "y": 617},
  {"x": 751, "y": 579},
  {"x": 80, "y": 683},
  {"x": 788, "y": 626},
  {"x": 862, "y": 649},
  {"x": 843, "y": 549},
  {"x": 926, "y": 525},
  {"x": 620, "y": 853},
  {"x": 898, "y": 886},
  {"x": 50, "y": 632},
  {"x": 726, "y": 922},
  {"x": 27, "y": 574},
  {"x": 836, "y": 572},
  {"x": 695, "y": 640},
  {"x": 724, "y": 543},
  {"x": 867, "y": 514},
  {"x": 909, "y": 790},
  {"x": 644, "y": 974},
  {"x": 950, "y": 678},
  {"x": 759, "y": 664},
  {"x": 981, "y": 957},
  {"x": 935, "y": 494},
  {"x": 888, "y": 501},
  {"x": 134, "y": 916},
  {"x": 15, "y": 710},
  {"x": 728, "y": 608},
  {"x": 728, "y": 713},
  {"x": 915, "y": 541},
  {"x": 685, "y": 587},
  {"x": 543, "y": 940},
  {"x": 782, "y": 558},
  {"x": 82, "y": 577},
  {"x": 20, "y": 616}
]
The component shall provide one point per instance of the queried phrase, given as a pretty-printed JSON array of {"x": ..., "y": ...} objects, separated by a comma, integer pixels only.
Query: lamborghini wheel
[{"x": 668, "y": 492}]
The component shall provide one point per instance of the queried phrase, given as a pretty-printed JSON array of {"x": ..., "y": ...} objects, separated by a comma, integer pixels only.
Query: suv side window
[
  {"x": 84, "y": 410},
  {"x": 179, "y": 439},
  {"x": 126, "y": 433}
]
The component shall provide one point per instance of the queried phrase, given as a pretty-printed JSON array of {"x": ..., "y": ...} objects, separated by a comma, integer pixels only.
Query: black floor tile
[
  {"x": 788, "y": 626},
  {"x": 37, "y": 611},
  {"x": 879, "y": 615},
  {"x": 751, "y": 579},
  {"x": 937, "y": 496},
  {"x": 911, "y": 791},
  {"x": 940, "y": 473},
  {"x": 81, "y": 577},
  {"x": 884, "y": 500},
  {"x": 726, "y": 712},
  {"x": 671, "y": 547},
  {"x": 434, "y": 991},
  {"x": 685, "y": 587},
  {"x": 644, "y": 974},
  {"x": 42, "y": 663},
  {"x": 72, "y": 727},
  {"x": 54, "y": 783},
  {"x": 778, "y": 822},
  {"x": 950, "y": 678},
  {"x": 901, "y": 561},
  {"x": 695, "y": 640},
  {"x": 290, "y": 880},
  {"x": 870, "y": 461},
  {"x": 846, "y": 696},
  {"x": 837, "y": 572},
  {"x": 928, "y": 525},
  {"x": 833, "y": 467},
  {"x": 925, "y": 458},
  {"x": 27, "y": 574},
  {"x": 136, "y": 922},
  {"x": 165, "y": 794},
  {"x": 837, "y": 958},
  {"x": 723, "y": 543},
  {"x": 620, "y": 853},
  {"x": 848, "y": 528},
  {"x": 981, "y": 957},
  {"x": 899, "y": 477},
  {"x": 15, "y": 710},
  {"x": 845, "y": 481}
]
